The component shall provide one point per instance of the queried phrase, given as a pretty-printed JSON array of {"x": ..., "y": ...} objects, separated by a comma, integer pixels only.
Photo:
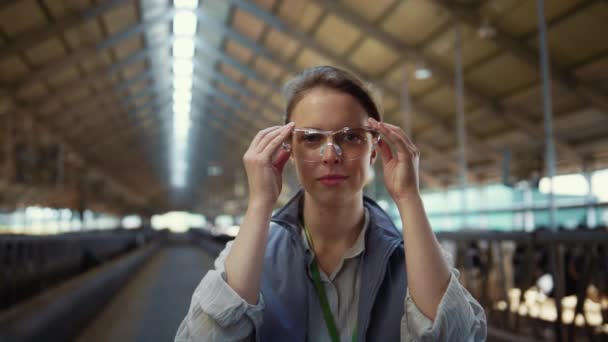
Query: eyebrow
[{"x": 333, "y": 130}]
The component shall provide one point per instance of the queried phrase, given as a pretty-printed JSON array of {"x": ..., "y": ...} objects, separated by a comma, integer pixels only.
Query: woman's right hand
[{"x": 263, "y": 174}]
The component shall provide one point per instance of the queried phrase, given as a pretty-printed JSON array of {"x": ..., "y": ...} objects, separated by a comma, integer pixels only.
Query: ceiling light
[
  {"x": 181, "y": 166},
  {"x": 181, "y": 123},
  {"x": 183, "y": 67},
  {"x": 180, "y": 133},
  {"x": 181, "y": 130},
  {"x": 178, "y": 180},
  {"x": 181, "y": 115},
  {"x": 183, "y": 47},
  {"x": 185, "y": 4},
  {"x": 181, "y": 111},
  {"x": 422, "y": 72},
  {"x": 182, "y": 96},
  {"x": 182, "y": 83},
  {"x": 179, "y": 149},
  {"x": 184, "y": 23}
]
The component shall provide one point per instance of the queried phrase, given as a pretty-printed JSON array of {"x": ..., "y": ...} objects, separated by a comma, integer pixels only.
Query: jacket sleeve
[
  {"x": 217, "y": 312},
  {"x": 459, "y": 316}
]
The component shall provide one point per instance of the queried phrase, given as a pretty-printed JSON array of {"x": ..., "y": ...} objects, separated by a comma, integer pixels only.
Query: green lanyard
[{"x": 327, "y": 315}]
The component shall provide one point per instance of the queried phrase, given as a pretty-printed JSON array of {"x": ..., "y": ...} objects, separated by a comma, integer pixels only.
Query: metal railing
[
  {"x": 502, "y": 268},
  {"x": 31, "y": 264}
]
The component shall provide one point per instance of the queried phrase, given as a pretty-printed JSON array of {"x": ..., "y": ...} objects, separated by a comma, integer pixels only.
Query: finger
[
  {"x": 373, "y": 123},
  {"x": 403, "y": 140},
  {"x": 395, "y": 139},
  {"x": 275, "y": 141},
  {"x": 270, "y": 136},
  {"x": 403, "y": 135},
  {"x": 397, "y": 129},
  {"x": 385, "y": 151},
  {"x": 281, "y": 160},
  {"x": 261, "y": 134}
]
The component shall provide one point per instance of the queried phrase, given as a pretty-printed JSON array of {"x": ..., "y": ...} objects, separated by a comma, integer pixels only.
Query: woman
[{"x": 330, "y": 265}]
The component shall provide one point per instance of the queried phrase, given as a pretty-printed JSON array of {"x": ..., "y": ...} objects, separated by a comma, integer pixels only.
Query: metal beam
[
  {"x": 90, "y": 79},
  {"x": 309, "y": 42},
  {"x": 114, "y": 92},
  {"x": 27, "y": 111},
  {"x": 4, "y": 4},
  {"x": 547, "y": 114},
  {"x": 91, "y": 164},
  {"x": 216, "y": 123},
  {"x": 411, "y": 53},
  {"x": 160, "y": 102},
  {"x": 158, "y": 105},
  {"x": 262, "y": 51},
  {"x": 564, "y": 78},
  {"x": 82, "y": 53},
  {"x": 200, "y": 44},
  {"x": 460, "y": 121},
  {"x": 233, "y": 35},
  {"x": 34, "y": 37},
  {"x": 239, "y": 38},
  {"x": 99, "y": 103},
  {"x": 102, "y": 73},
  {"x": 203, "y": 46},
  {"x": 130, "y": 111},
  {"x": 229, "y": 131},
  {"x": 8, "y": 169},
  {"x": 199, "y": 85},
  {"x": 225, "y": 58}
]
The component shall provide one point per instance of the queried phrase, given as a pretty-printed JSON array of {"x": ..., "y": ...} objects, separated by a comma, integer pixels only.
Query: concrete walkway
[{"x": 154, "y": 302}]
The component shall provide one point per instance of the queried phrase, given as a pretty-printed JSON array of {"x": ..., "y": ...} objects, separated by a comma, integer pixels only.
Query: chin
[{"x": 334, "y": 196}]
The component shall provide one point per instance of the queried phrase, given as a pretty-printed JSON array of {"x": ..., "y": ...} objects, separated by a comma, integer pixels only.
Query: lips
[{"x": 332, "y": 180}]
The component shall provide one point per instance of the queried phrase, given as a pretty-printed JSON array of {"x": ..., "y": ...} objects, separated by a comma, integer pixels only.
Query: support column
[
  {"x": 8, "y": 173},
  {"x": 590, "y": 198},
  {"x": 460, "y": 121},
  {"x": 406, "y": 106},
  {"x": 547, "y": 111}
]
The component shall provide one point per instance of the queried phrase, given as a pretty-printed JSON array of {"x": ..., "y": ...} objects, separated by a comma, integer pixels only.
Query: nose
[{"x": 331, "y": 153}]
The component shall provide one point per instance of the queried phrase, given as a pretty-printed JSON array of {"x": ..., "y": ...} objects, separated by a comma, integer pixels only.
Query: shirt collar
[{"x": 357, "y": 248}]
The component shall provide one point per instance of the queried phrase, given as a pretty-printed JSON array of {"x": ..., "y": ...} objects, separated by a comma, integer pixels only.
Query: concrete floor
[{"x": 155, "y": 300}]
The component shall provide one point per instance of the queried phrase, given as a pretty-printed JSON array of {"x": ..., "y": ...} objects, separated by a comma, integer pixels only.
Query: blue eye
[
  {"x": 353, "y": 137},
  {"x": 311, "y": 137}
]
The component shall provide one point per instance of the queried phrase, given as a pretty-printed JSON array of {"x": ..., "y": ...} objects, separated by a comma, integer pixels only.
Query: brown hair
[{"x": 334, "y": 78}]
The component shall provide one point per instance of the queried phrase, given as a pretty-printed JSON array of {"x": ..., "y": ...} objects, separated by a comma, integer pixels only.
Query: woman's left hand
[{"x": 400, "y": 166}]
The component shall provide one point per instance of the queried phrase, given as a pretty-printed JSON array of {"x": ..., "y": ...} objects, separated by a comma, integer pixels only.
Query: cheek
[
  {"x": 304, "y": 171},
  {"x": 360, "y": 168}
]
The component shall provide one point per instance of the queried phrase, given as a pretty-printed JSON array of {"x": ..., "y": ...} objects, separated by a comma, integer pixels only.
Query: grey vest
[{"x": 289, "y": 292}]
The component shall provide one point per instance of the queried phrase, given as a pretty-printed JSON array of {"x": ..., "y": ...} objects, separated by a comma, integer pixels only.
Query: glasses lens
[
  {"x": 351, "y": 144},
  {"x": 354, "y": 142},
  {"x": 306, "y": 145}
]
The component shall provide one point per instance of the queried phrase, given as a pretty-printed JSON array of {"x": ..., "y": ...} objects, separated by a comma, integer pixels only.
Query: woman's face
[{"x": 332, "y": 179}]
